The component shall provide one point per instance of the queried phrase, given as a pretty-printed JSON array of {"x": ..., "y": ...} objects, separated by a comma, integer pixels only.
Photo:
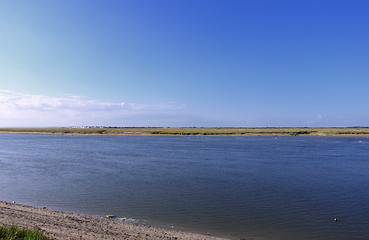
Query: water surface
[{"x": 268, "y": 187}]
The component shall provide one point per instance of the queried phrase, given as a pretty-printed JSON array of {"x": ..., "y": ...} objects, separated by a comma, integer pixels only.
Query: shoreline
[
  {"x": 195, "y": 135},
  {"x": 63, "y": 225}
]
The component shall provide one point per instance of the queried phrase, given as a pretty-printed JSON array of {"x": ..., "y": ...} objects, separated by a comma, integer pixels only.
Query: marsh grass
[
  {"x": 15, "y": 233},
  {"x": 197, "y": 131}
]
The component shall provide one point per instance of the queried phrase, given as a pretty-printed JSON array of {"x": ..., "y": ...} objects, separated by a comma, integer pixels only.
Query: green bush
[{"x": 15, "y": 233}]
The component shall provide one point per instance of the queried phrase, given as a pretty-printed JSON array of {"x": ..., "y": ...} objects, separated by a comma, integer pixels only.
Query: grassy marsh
[{"x": 359, "y": 131}]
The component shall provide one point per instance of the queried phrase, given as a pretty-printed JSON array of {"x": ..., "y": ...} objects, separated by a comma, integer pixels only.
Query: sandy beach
[{"x": 70, "y": 226}]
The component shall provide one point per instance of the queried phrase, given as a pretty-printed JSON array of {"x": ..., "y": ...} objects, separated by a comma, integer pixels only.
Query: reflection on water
[{"x": 272, "y": 187}]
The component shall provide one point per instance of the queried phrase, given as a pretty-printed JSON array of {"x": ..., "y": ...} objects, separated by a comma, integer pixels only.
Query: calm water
[{"x": 268, "y": 187}]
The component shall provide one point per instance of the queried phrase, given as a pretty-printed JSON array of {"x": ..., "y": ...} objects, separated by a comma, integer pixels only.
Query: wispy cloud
[{"x": 19, "y": 109}]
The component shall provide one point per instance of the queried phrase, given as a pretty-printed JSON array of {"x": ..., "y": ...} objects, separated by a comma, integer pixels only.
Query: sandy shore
[{"x": 69, "y": 226}]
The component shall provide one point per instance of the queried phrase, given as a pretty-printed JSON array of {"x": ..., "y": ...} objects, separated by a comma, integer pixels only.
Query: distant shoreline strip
[{"x": 348, "y": 132}]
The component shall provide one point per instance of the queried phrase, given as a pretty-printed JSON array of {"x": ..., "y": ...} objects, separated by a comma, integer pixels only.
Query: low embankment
[{"x": 197, "y": 131}]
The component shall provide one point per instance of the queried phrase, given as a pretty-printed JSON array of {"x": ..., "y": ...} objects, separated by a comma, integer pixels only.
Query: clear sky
[{"x": 184, "y": 63}]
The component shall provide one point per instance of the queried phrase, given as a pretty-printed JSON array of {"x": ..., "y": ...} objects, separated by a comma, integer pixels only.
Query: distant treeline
[{"x": 195, "y": 131}]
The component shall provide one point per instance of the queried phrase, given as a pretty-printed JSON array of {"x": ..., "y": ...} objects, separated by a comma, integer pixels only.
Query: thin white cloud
[
  {"x": 19, "y": 109},
  {"x": 45, "y": 103}
]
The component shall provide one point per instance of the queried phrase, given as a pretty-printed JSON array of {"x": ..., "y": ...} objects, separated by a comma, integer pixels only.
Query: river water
[{"x": 275, "y": 188}]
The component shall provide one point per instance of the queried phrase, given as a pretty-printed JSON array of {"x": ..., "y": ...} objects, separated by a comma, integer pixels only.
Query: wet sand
[{"x": 70, "y": 226}]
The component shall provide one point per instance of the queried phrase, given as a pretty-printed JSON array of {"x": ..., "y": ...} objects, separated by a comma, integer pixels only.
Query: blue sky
[{"x": 184, "y": 63}]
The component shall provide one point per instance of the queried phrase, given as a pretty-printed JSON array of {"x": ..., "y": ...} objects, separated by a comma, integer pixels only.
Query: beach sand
[{"x": 70, "y": 226}]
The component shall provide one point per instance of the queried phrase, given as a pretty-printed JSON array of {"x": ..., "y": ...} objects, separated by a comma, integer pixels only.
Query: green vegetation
[
  {"x": 198, "y": 131},
  {"x": 14, "y": 233}
]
